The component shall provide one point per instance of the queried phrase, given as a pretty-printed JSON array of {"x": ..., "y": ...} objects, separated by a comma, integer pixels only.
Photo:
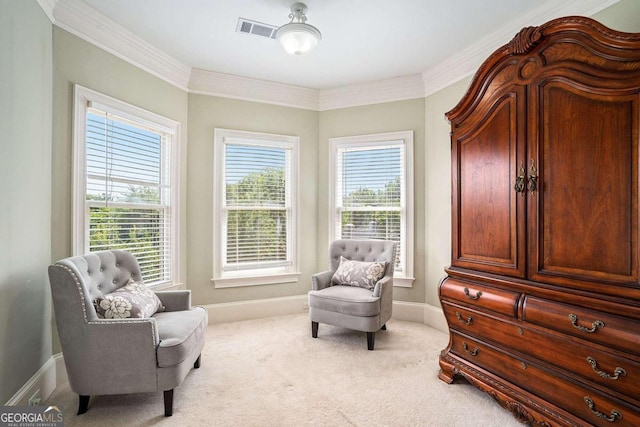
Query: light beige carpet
[{"x": 270, "y": 372}]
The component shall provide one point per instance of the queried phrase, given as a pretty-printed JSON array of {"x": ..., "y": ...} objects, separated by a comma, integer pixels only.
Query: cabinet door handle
[
  {"x": 617, "y": 373},
  {"x": 519, "y": 185},
  {"x": 473, "y": 352},
  {"x": 615, "y": 414},
  {"x": 594, "y": 326},
  {"x": 473, "y": 297},
  {"x": 533, "y": 178},
  {"x": 461, "y": 319}
]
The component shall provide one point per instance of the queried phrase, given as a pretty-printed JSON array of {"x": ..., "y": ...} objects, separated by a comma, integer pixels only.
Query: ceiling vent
[{"x": 248, "y": 26}]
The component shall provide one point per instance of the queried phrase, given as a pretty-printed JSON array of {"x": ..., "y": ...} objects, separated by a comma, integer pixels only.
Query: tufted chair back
[
  {"x": 123, "y": 355},
  {"x": 363, "y": 250},
  {"x": 354, "y": 307},
  {"x": 100, "y": 273}
]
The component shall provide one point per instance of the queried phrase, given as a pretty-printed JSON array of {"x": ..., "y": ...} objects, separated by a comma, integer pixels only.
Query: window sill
[
  {"x": 267, "y": 279},
  {"x": 403, "y": 282},
  {"x": 166, "y": 286}
]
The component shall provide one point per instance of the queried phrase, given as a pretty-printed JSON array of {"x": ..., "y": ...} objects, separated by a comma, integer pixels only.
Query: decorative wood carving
[
  {"x": 542, "y": 297},
  {"x": 524, "y": 41}
]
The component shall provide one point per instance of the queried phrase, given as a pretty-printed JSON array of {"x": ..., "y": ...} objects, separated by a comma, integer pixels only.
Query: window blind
[
  {"x": 128, "y": 191},
  {"x": 257, "y": 205},
  {"x": 369, "y": 194}
]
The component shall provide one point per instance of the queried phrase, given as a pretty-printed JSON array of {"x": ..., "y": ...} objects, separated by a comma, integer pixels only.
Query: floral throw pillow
[
  {"x": 358, "y": 273},
  {"x": 132, "y": 300}
]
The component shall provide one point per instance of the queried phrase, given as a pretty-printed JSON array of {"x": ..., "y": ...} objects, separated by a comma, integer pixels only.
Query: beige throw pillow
[{"x": 358, "y": 273}]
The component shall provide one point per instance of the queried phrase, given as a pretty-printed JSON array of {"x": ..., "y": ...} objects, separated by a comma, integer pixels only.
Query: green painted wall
[
  {"x": 370, "y": 119},
  {"x": 437, "y": 163},
  {"x": 207, "y": 113},
  {"x": 622, "y": 16},
  {"x": 25, "y": 191},
  {"x": 77, "y": 61}
]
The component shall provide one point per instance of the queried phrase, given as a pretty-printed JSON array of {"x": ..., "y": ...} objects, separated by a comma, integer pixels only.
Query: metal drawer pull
[
  {"x": 464, "y": 322},
  {"x": 594, "y": 326},
  {"x": 615, "y": 414},
  {"x": 617, "y": 373},
  {"x": 468, "y": 295},
  {"x": 473, "y": 352}
]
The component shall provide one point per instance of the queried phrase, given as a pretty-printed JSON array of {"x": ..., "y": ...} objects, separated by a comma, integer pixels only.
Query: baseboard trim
[
  {"x": 256, "y": 309},
  {"x": 420, "y": 313},
  {"x": 270, "y": 307},
  {"x": 45, "y": 380},
  {"x": 434, "y": 317},
  {"x": 408, "y": 311}
]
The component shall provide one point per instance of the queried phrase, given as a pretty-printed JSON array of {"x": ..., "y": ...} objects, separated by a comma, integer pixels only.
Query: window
[
  {"x": 255, "y": 200},
  {"x": 372, "y": 193},
  {"x": 125, "y": 183}
]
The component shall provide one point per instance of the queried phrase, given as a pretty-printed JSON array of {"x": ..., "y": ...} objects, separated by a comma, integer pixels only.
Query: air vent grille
[{"x": 255, "y": 28}]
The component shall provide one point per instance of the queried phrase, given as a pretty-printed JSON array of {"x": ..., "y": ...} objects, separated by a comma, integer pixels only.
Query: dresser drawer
[
  {"x": 494, "y": 299},
  {"x": 474, "y": 323},
  {"x": 585, "y": 403},
  {"x": 595, "y": 326},
  {"x": 610, "y": 371},
  {"x": 571, "y": 357}
]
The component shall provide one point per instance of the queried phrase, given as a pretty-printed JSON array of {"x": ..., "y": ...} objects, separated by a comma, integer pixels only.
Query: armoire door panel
[
  {"x": 487, "y": 209},
  {"x": 585, "y": 222},
  {"x": 542, "y": 298}
]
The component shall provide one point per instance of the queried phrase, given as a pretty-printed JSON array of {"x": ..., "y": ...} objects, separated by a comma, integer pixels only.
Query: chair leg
[
  {"x": 84, "y": 404},
  {"x": 168, "y": 403},
  {"x": 196, "y": 365},
  {"x": 371, "y": 339},
  {"x": 384, "y": 327},
  {"x": 314, "y": 329}
]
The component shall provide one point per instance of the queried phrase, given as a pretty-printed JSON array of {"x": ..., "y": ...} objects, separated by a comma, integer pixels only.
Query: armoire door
[
  {"x": 583, "y": 218},
  {"x": 488, "y": 211}
]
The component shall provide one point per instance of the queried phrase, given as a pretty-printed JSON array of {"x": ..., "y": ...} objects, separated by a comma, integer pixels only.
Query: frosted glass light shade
[{"x": 298, "y": 38}]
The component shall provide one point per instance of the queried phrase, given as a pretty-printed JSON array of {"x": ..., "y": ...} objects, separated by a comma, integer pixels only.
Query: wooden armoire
[{"x": 542, "y": 297}]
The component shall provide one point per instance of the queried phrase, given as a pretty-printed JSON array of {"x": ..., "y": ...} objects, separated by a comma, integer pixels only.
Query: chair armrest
[
  {"x": 112, "y": 356},
  {"x": 175, "y": 300},
  {"x": 383, "y": 286},
  {"x": 141, "y": 331},
  {"x": 322, "y": 280}
]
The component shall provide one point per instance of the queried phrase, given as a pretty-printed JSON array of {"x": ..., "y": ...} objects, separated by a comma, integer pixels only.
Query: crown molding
[
  {"x": 231, "y": 86},
  {"x": 466, "y": 62},
  {"x": 377, "y": 92},
  {"x": 48, "y": 6},
  {"x": 87, "y": 23}
]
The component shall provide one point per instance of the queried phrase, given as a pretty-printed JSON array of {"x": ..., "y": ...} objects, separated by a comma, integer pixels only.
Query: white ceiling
[{"x": 363, "y": 40}]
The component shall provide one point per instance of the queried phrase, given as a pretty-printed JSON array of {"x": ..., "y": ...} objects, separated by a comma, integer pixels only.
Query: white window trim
[
  {"x": 406, "y": 280},
  {"x": 83, "y": 99},
  {"x": 222, "y": 279}
]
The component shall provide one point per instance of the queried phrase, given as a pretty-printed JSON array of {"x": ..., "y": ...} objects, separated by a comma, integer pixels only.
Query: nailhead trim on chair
[
  {"x": 79, "y": 287},
  {"x": 110, "y": 322}
]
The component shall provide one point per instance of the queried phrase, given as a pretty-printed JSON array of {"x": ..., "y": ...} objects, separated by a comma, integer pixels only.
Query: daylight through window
[
  {"x": 255, "y": 199},
  {"x": 370, "y": 191},
  {"x": 128, "y": 189}
]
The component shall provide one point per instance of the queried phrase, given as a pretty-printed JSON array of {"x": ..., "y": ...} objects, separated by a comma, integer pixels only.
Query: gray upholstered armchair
[
  {"x": 340, "y": 300},
  {"x": 122, "y": 355}
]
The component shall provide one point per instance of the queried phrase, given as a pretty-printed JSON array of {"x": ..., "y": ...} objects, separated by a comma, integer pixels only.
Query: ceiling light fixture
[{"x": 298, "y": 38}]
